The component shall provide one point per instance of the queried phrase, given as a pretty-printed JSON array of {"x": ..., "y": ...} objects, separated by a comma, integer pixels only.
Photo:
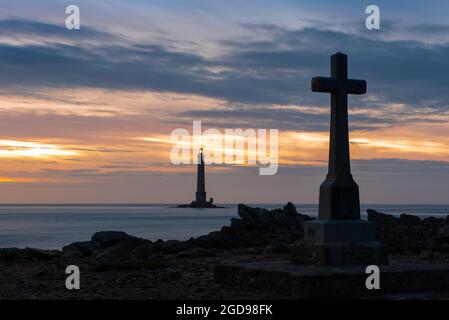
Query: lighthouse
[
  {"x": 200, "y": 198},
  {"x": 200, "y": 195}
]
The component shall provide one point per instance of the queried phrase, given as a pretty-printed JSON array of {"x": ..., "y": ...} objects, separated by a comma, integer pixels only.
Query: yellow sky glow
[{"x": 13, "y": 148}]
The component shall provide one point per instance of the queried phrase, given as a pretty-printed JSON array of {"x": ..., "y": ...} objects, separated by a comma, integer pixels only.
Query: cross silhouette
[{"x": 339, "y": 194}]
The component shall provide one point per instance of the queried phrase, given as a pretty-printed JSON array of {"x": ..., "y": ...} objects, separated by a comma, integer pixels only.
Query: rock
[
  {"x": 72, "y": 251},
  {"x": 255, "y": 250},
  {"x": 443, "y": 233},
  {"x": 142, "y": 251},
  {"x": 81, "y": 249},
  {"x": 278, "y": 247},
  {"x": 409, "y": 219},
  {"x": 196, "y": 253},
  {"x": 431, "y": 221},
  {"x": 222, "y": 239},
  {"x": 239, "y": 224},
  {"x": 43, "y": 255},
  {"x": 40, "y": 273},
  {"x": 381, "y": 218},
  {"x": 168, "y": 247},
  {"x": 290, "y": 209},
  {"x": 434, "y": 244},
  {"x": 12, "y": 254},
  {"x": 120, "y": 251},
  {"x": 128, "y": 265},
  {"x": 114, "y": 245},
  {"x": 245, "y": 212},
  {"x": 108, "y": 238},
  {"x": 409, "y": 234},
  {"x": 256, "y": 227}
]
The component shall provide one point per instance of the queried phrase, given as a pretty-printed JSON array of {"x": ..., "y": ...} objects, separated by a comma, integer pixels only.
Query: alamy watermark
[
  {"x": 72, "y": 282},
  {"x": 234, "y": 146},
  {"x": 373, "y": 20},
  {"x": 73, "y": 21}
]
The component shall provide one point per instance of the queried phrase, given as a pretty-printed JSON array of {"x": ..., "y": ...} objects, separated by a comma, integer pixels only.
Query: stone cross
[{"x": 339, "y": 193}]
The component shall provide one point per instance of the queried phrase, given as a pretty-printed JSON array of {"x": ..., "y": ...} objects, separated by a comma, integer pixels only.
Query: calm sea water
[{"x": 53, "y": 226}]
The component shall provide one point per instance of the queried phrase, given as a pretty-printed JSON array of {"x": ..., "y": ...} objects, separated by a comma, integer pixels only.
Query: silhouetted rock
[
  {"x": 110, "y": 245},
  {"x": 120, "y": 251},
  {"x": 290, "y": 209},
  {"x": 256, "y": 227},
  {"x": 196, "y": 253},
  {"x": 108, "y": 238},
  {"x": 381, "y": 218},
  {"x": 12, "y": 254},
  {"x": 81, "y": 249},
  {"x": 278, "y": 247},
  {"x": 409, "y": 219},
  {"x": 128, "y": 265},
  {"x": 409, "y": 234},
  {"x": 443, "y": 233},
  {"x": 168, "y": 247}
]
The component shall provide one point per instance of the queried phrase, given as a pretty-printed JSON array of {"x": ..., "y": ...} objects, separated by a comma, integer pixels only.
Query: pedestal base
[
  {"x": 339, "y": 242},
  {"x": 363, "y": 253}
]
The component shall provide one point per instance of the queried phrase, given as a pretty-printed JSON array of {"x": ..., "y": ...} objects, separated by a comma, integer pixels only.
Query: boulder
[
  {"x": 278, "y": 247},
  {"x": 196, "y": 253},
  {"x": 12, "y": 254},
  {"x": 290, "y": 210},
  {"x": 81, "y": 249},
  {"x": 409, "y": 219},
  {"x": 409, "y": 234},
  {"x": 120, "y": 251},
  {"x": 108, "y": 238},
  {"x": 72, "y": 251},
  {"x": 246, "y": 213},
  {"x": 381, "y": 218},
  {"x": 256, "y": 227},
  {"x": 443, "y": 233},
  {"x": 168, "y": 247}
]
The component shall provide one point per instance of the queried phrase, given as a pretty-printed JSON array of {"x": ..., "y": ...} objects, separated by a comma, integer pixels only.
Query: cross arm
[
  {"x": 356, "y": 86},
  {"x": 323, "y": 84}
]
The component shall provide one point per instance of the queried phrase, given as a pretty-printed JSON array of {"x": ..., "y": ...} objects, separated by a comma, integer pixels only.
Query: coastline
[{"x": 117, "y": 265}]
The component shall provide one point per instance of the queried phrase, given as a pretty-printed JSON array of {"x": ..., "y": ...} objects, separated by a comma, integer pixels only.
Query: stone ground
[{"x": 169, "y": 277}]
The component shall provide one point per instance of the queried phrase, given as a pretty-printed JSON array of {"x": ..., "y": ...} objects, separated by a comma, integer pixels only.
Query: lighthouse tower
[
  {"x": 200, "y": 195},
  {"x": 200, "y": 198}
]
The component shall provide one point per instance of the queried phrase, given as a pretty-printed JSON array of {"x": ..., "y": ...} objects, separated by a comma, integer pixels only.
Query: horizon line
[{"x": 178, "y": 203}]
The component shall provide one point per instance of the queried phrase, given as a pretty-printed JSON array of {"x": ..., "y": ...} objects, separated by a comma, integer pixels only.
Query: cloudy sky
[{"x": 86, "y": 115}]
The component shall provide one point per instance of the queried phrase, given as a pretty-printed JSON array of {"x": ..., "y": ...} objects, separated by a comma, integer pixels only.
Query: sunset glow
[
  {"x": 88, "y": 114},
  {"x": 12, "y": 148}
]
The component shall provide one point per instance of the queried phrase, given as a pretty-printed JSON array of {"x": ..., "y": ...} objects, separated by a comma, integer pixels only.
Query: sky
[{"x": 86, "y": 115}]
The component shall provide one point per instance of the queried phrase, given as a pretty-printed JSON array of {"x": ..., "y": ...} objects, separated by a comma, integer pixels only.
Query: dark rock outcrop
[
  {"x": 274, "y": 229},
  {"x": 257, "y": 227},
  {"x": 255, "y": 230},
  {"x": 110, "y": 245},
  {"x": 30, "y": 254},
  {"x": 196, "y": 253},
  {"x": 409, "y": 234}
]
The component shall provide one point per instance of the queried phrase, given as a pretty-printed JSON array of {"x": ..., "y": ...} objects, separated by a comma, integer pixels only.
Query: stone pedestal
[{"x": 339, "y": 242}]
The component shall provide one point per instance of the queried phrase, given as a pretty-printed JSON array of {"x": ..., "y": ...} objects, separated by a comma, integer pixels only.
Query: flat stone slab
[
  {"x": 307, "y": 252},
  {"x": 283, "y": 279}
]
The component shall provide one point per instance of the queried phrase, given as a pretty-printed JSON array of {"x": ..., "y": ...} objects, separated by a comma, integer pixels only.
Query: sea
[{"x": 53, "y": 226}]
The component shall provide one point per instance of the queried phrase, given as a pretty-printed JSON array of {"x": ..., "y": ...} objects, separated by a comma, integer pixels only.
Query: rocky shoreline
[{"x": 115, "y": 265}]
